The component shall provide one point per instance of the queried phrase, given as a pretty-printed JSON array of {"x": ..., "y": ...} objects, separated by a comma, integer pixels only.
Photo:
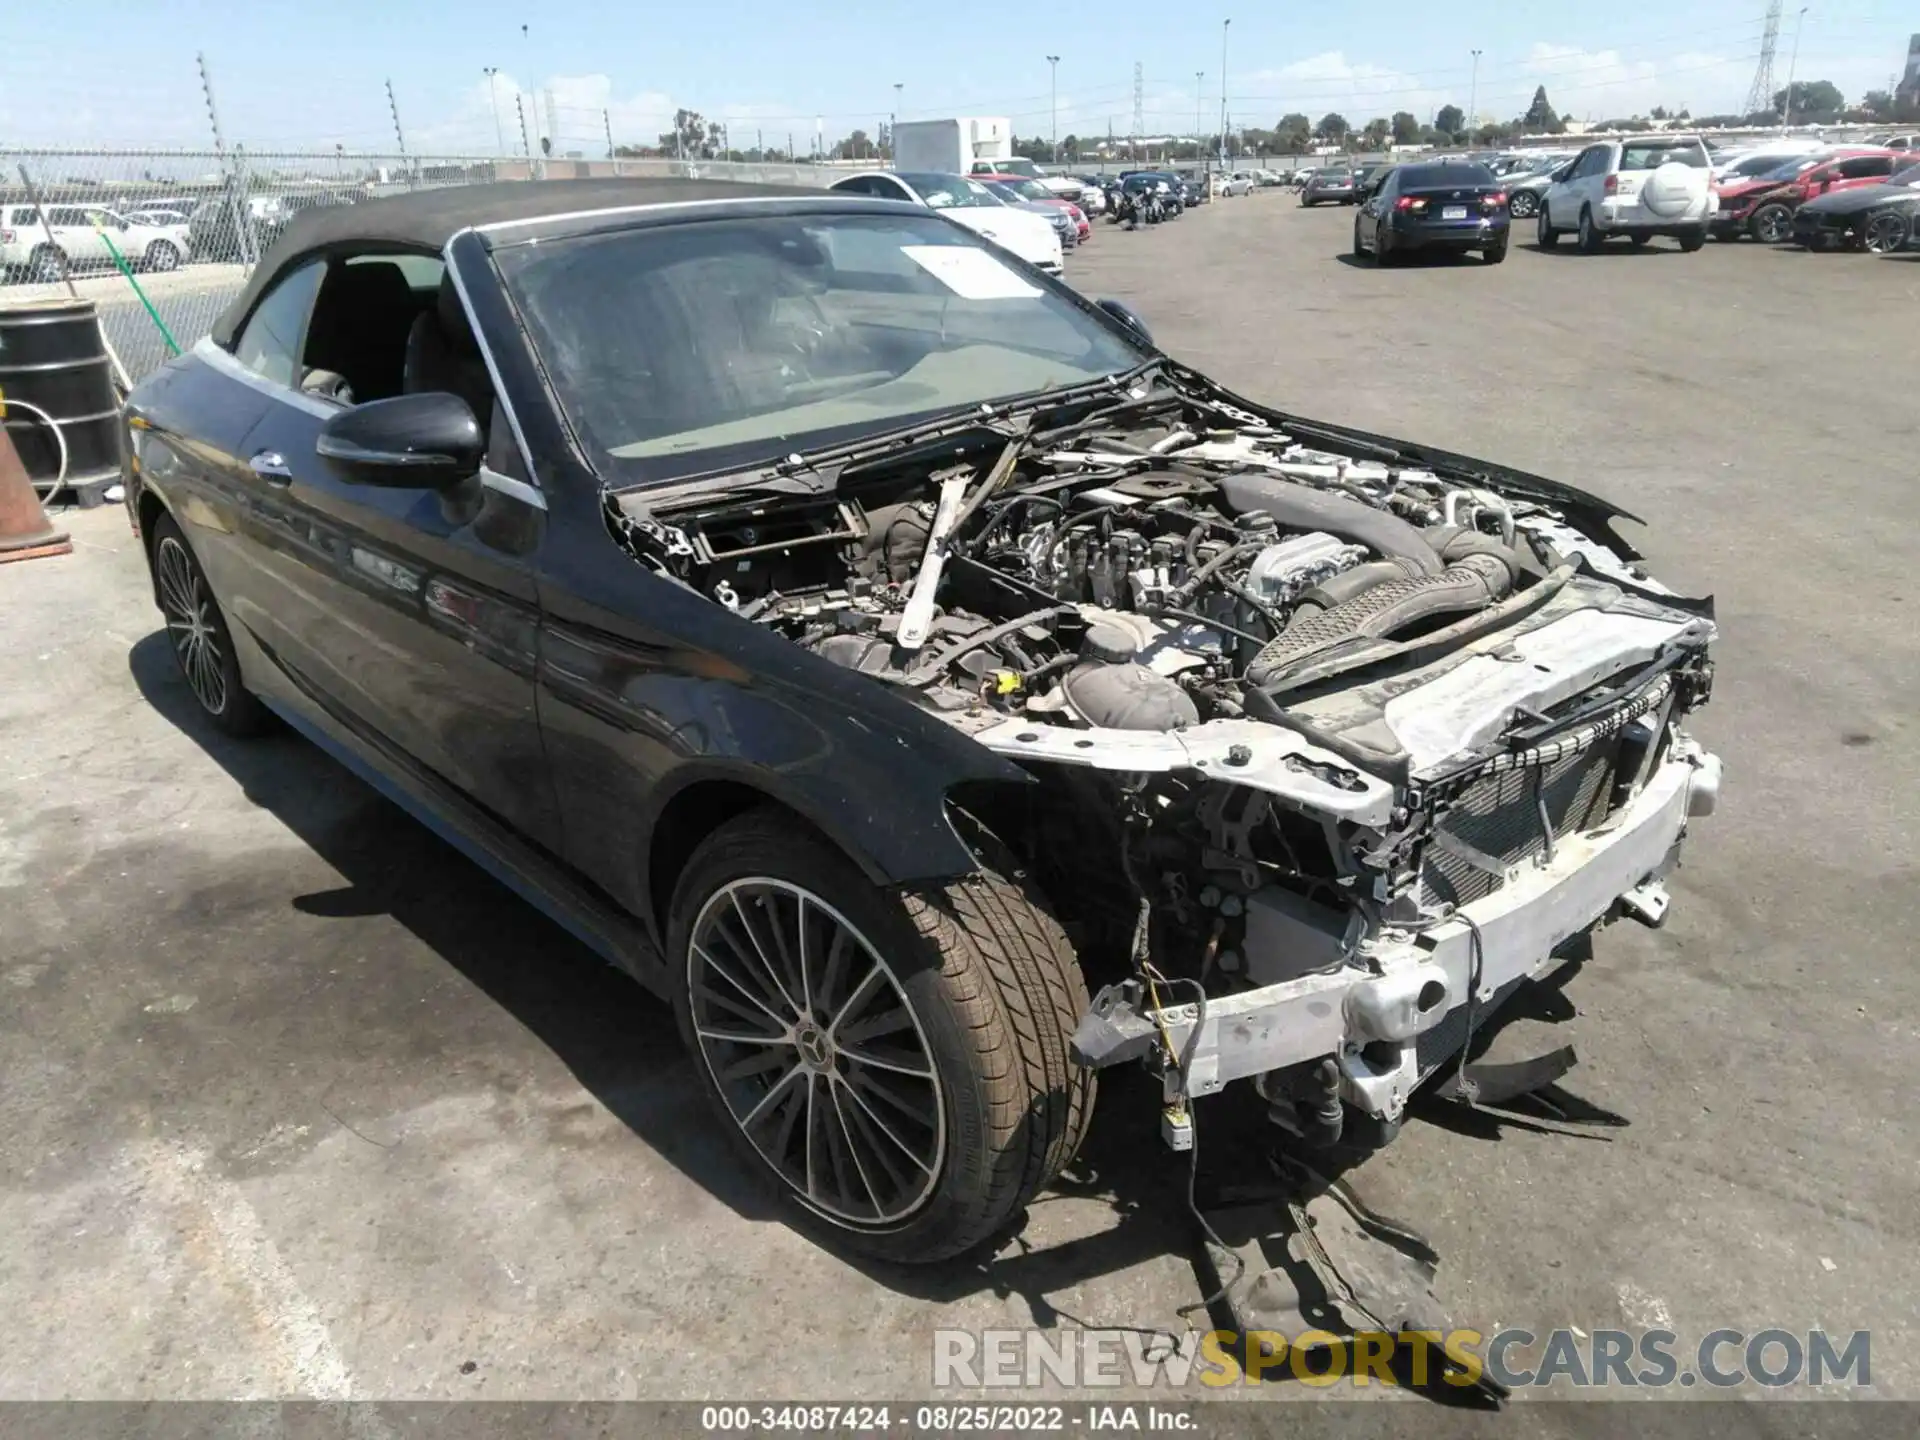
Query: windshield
[
  {"x": 1760, "y": 164},
  {"x": 1028, "y": 189},
  {"x": 1789, "y": 170},
  {"x": 951, "y": 192},
  {"x": 679, "y": 349},
  {"x": 1017, "y": 166}
]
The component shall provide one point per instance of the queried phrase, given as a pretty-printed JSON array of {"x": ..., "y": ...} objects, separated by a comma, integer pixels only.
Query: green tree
[
  {"x": 1450, "y": 121},
  {"x": 1376, "y": 133},
  {"x": 1812, "y": 99},
  {"x": 1406, "y": 127},
  {"x": 1541, "y": 118},
  {"x": 1293, "y": 133},
  {"x": 688, "y": 136},
  {"x": 1333, "y": 127},
  {"x": 1878, "y": 102}
]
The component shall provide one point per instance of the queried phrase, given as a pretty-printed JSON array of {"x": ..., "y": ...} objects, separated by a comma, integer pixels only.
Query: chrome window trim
[{"x": 500, "y": 396}]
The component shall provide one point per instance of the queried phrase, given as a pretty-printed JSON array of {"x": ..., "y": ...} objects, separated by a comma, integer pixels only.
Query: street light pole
[
  {"x": 1793, "y": 63},
  {"x": 492, "y": 72},
  {"x": 1473, "y": 98},
  {"x": 1053, "y": 69},
  {"x": 1199, "y": 110},
  {"x": 893, "y": 125},
  {"x": 1224, "y": 26}
]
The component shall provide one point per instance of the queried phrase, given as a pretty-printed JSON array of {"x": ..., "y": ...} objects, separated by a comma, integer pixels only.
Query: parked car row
[
  {"x": 1632, "y": 187},
  {"x": 69, "y": 239}
]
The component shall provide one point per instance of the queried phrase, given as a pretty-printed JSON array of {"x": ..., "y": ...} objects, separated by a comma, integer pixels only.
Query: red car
[
  {"x": 1030, "y": 189},
  {"x": 1763, "y": 206}
]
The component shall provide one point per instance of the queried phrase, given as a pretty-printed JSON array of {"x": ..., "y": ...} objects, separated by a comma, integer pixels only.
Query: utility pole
[
  {"x": 1224, "y": 26},
  {"x": 1199, "y": 110},
  {"x": 530, "y": 103},
  {"x": 1473, "y": 99},
  {"x": 893, "y": 124},
  {"x": 492, "y": 72},
  {"x": 606, "y": 119},
  {"x": 520, "y": 109},
  {"x": 1793, "y": 61},
  {"x": 1053, "y": 67},
  {"x": 236, "y": 181}
]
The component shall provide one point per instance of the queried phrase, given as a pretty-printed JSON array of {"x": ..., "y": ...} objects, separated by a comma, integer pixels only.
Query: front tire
[
  {"x": 1547, "y": 236},
  {"x": 894, "y": 1062},
  {"x": 197, "y": 631},
  {"x": 1771, "y": 224},
  {"x": 1885, "y": 233},
  {"x": 162, "y": 257},
  {"x": 48, "y": 265},
  {"x": 1523, "y": 204},
  {"x": 1693, "y": 240}
]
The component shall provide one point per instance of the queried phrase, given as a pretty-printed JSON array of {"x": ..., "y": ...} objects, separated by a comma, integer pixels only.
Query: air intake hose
[
  {"x": 1301, "y": 507},
  {"x": 1379, "y": 611}
]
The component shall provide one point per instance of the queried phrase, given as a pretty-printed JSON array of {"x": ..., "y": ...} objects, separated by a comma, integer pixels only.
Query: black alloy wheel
[{"x": 197, "y": 632}]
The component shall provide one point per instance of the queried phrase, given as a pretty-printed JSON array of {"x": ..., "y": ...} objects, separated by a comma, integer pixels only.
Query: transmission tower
[
  {"x": 1760, "y": 97},
  {"x": 1139, "y": 101}
]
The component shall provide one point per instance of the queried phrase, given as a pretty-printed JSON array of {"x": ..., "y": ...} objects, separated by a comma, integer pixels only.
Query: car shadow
[
  {"x": 1568, "y": 249},
  {"x": 1435, "y": 259},
  {"x": 622, "y": 1045}
]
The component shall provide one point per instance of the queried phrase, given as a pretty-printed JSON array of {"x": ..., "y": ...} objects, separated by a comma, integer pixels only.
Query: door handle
[{"x": 269, "y": 466}]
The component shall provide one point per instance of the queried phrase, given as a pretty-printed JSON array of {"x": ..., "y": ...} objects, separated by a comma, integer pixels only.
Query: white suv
[
  {"x": 79, "y": 241},
  {"x": 1639, "y": 186}
]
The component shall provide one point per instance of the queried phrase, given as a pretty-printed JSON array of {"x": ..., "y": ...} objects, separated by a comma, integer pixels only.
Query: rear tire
[
  {"x": 1590, "y": 239},
  {"x": 197, "y": 632},
  {"x": 1885, "y": 233},
  {"x": 1639, "y": 241},
  {"x": 1693, "y": 240},
  {"x": 1496, "y": 253},
  {"x": 1544, "y": 233},
  {"x": 162, "y": 257},
  {"x": 972, "y": 995},
  {"x": 1358, "y": 248},
  {"x": 1523, "y": 204}
]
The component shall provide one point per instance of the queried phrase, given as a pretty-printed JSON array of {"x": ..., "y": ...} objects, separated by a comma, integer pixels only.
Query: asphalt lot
[{"x": 298, "y": 1102}]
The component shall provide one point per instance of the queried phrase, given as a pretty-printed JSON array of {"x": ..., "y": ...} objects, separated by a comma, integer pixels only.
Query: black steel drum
[{"x": 52, "y": 357}]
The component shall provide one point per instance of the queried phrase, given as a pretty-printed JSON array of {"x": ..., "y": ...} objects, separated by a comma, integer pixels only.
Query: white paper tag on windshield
[{"x": 971, "y": 274}]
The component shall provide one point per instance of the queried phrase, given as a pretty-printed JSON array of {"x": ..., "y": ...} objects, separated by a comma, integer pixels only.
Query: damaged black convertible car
[{"x": 895, "y": 660}]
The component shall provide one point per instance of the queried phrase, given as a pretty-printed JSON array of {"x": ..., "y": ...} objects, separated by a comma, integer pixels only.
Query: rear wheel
[
  {"x": 894, "y": 1062},
  {"x": 1522, "y": 204},
  {"x": 1771, "y": 224},
  {"x": 202, "y": 644},
  {"x": 1639, "y": 241},
  {"x": 1547, "y": 236},
  {"x": 1590, "y": 238},
  {"x": 1496, "y": 252},
  {"x": 161, "y": 256}
]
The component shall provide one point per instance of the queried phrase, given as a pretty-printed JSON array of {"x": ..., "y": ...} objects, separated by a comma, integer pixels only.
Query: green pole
[{"x": 173, "y": 345}]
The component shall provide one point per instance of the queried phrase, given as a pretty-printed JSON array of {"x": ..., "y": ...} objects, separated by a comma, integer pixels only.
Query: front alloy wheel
[
  {"x": 894, "y": 1059},
  {"x": 1522, "y": 204},
  {"x": 1771, "y": 224},
  {"x": 815, "y": 1051},
  {"x": 1886, "y": 232}
]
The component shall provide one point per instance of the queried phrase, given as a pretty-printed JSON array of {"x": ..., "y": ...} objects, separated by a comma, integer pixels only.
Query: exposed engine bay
[{"x": 1295, "y": 706}]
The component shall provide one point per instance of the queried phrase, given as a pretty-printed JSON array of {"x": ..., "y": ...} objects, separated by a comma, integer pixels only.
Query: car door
[
  {"x": 1566, "y": 197},
  {"x": 407, "y": 615},
  {"x": 1376, "y": 204}
]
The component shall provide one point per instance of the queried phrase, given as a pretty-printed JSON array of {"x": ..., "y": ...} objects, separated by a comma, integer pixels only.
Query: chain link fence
[{"x": 162, "y": 240}]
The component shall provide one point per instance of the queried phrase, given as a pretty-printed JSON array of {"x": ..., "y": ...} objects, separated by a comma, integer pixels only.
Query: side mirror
[
  {"x": 1127, "y": 316},
  {"x": 411, "y": 442}
]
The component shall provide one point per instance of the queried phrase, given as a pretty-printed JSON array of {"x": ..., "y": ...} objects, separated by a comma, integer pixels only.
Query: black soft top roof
[{"x": 427, "y": 219}]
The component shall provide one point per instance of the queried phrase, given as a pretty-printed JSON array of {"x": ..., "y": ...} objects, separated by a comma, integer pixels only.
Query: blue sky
[{"x": 287, "y": 75}]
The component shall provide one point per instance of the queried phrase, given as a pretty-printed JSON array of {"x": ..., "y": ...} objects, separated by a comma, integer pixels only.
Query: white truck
[
  {"x": 951, "y": 147},
  {"x": 979, "y": 145}
]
